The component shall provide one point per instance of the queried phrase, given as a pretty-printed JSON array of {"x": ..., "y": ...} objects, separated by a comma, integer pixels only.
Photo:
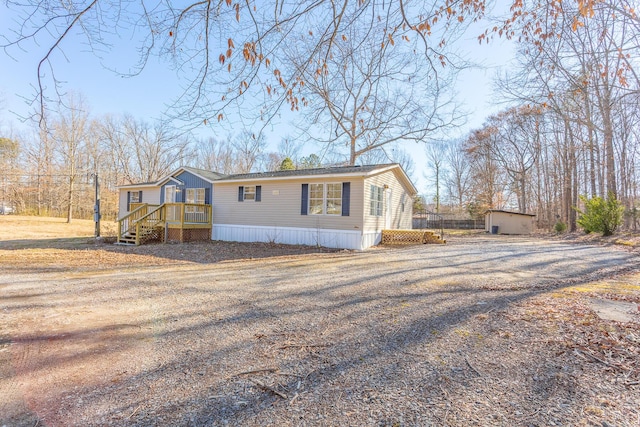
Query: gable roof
[
  {"x": 333, "y": 171},
  {"x": 204, "y": 174},
  {"x": 139, "y": 184},
  {"x": 200, "y": 173}
]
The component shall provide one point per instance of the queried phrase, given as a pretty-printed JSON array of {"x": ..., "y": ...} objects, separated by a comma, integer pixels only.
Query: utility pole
[{"x": 96, "y": 207}]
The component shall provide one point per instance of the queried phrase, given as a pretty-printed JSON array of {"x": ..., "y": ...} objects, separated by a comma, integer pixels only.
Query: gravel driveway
[{"x": 490, "y": 330}]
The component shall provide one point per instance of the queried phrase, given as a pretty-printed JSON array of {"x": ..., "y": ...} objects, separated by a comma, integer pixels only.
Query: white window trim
[
  {"x": 325, "y": 199},
  {"x": 196, "y": 200},
  {"x": 135, "y": 194},
  {"x": 376, "y": 205},
  {"x": 171, "y": 190},
  {"x": 244, "y": 193}
]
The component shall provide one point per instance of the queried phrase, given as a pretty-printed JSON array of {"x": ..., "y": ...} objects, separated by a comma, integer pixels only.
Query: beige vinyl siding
[
  {"x": 150, "y": 195},
  {"x": 509, "y": 222},
  {"x": 399, "y": 219},
  {"x": 280, "y": 205}
]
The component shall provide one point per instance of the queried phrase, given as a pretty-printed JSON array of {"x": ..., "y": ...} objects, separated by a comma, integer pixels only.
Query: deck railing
[
  {"x": 144, "y": 221},
  {"x": 134, "y": 206},
  {"x": 188, "y": 213},
  {"x": 127, "y": 224},
  {"x": 146, "y": 226}
]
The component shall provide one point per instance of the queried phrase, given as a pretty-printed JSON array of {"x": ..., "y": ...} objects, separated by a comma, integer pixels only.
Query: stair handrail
[
  {"x": 148, "y": 222},
  {"x": 130, "y": 219}
]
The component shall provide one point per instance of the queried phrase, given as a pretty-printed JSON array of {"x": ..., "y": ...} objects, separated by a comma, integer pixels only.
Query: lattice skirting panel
[
  {"x": 409, "y": 237},
  {"x": 189, "y": 234}
]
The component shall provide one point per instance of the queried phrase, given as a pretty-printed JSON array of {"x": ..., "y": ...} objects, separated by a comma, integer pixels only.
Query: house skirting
[
  {"x": 342, "y": 239},
  {"x": 187, "y": 234}
]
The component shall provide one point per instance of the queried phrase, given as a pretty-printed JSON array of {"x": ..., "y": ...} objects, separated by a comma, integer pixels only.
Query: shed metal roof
[{"x": 509, "y": 212}]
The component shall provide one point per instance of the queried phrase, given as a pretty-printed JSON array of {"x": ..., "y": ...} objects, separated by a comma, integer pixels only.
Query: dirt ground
[{"x": 485, "y": 330}]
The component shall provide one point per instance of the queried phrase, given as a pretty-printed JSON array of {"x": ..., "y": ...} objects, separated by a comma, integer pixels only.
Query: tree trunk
[
  {"x": 592, "y": 160},
  {"x": 610, "y": 161},
  {"x": 352, "y": 156}
]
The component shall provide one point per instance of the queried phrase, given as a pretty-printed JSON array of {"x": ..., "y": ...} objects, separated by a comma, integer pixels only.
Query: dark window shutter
[
  {"x": 207, "y": 196},
  {"x": 140, "y": 196},
  {"x": 258, "y": 193},
  {"x": 304, "y": 205},
  {"x": 346, "y": 198},
  {"x": 241, "y": 194},
  {"x": 128, "y": 201}
]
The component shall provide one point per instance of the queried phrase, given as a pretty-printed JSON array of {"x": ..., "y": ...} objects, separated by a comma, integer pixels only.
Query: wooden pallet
[{"x": 409, "y": 237}]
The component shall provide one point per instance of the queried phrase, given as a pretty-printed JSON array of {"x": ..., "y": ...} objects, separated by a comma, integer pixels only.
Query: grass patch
[{"x": 26, "y": 232}]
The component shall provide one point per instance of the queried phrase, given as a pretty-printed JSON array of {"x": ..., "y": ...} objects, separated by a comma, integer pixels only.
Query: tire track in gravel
[
  {"x": 119, "y": 345},
  {"x": 16, "y": 359}
]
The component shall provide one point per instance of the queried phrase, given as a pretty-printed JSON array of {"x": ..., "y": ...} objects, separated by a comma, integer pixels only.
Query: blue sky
[{"x": 147, "y": 95}]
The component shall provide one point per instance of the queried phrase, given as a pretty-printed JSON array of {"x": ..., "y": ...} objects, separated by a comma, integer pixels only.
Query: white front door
[
  {"x": 170, "y": 194},
  {"x": 387, "y": 209}
]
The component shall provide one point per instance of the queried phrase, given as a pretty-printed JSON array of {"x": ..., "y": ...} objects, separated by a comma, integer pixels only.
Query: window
[
  {"x": 250, "y": 193},
  {"x": 325, "y": 199},
  {"x": 333, "y": 203},
  {"x": 170, "y": 194},
  {"x": 196, "y": 196},
  {"x": 377, "y": 194},
  {"x": 316, "y": 198},
  {"x": 133, "y": 197}
]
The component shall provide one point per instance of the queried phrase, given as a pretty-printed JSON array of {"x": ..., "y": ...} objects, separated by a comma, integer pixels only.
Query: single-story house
[
  {"x": 338, "y": 207},
  {"x": 497, "y": 221}
]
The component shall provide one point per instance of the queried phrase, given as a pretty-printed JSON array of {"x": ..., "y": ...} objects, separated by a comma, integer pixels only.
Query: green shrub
[
  {"x": 560, "y": 227},
  {"x": 600, "y": 216}
]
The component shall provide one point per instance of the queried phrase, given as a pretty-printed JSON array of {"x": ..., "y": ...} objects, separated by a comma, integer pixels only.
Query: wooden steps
[{"x": 146, "y": 234}]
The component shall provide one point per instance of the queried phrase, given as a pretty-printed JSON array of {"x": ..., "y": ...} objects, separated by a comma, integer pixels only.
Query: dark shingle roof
[
  {"x": 211, "y": 176},
  {"x": 306, "y": 172},
  {"x": 139, "y": 184}
]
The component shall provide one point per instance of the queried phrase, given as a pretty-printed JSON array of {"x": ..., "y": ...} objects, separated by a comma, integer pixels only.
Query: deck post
[{"x": 137, "y": 233}]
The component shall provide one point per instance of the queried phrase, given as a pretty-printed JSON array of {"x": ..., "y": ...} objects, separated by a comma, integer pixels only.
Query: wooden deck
[{"x": 167, "y": 222}]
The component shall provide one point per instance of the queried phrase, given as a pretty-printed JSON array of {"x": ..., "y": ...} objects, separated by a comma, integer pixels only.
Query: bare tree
[
  {"x": 404, "y": 159},
  {"x": 516, "y": 147},
  {"x": 69, "y": 132},
  {"x": 289, "y": 147},
  {"x": 144, "y": 152},
  {"x": 216, "y": 155},
  {"x": 458, "y": 179},
  {"x": 249, "y": 149},
  {"x": 226, "y": 50},
  {"x": 436, "y": 158},
  {"x": 579, "y": 72},
  {"x": 487, "y": 187},
  {"x": 369, "y": 93},
  {"x": 9, "y": 154}
]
